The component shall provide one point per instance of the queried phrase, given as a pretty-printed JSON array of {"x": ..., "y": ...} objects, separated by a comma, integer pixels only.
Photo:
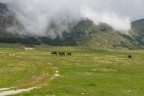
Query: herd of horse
[
  {"x": 61, "y": 53},
  {"x": 70, "y": 54}
]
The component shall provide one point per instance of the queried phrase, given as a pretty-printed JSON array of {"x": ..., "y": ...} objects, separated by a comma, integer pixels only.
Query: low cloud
[
  {"x": 118, "y": 22},
  {"x": 52, "y": 17}
]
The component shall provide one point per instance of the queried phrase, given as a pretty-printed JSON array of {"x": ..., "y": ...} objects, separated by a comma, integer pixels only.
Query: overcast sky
[
  {"x": 131, "y": 8},
  {"x": 38, "y": 14}
]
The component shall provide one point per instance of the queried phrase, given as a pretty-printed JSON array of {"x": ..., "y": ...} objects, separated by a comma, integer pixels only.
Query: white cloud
[
  {"x": 118, "y": 22},
  {"x": 37, "y": 15}
]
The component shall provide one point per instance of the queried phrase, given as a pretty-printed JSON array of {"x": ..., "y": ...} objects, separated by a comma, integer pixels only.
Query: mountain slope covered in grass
[
  {"x": 85, "y": 33},
  {"x": 103, "y": 36}
]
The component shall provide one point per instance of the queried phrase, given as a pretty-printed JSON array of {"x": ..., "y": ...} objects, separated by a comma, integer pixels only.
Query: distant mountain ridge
[
  {"x": 102, "y": 36},
  {"x": 85, "y": 33},
  {"x": 138, "y": 26}
]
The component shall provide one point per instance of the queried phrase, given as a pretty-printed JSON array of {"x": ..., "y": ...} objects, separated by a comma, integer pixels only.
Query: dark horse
[
  {"x": 61, "y": 53},
  {"x": 69, "y": 54},
  {"x": 54, "y": 53},
  {"x": 129, "y": 56}
]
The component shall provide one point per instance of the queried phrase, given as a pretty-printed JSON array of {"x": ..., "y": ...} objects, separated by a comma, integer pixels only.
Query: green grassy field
[{"x": 85, "y": 73}]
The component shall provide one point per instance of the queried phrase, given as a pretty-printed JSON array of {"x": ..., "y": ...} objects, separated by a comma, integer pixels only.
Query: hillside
[
  {"x": 138, "y": 26},
  {"x": 4, "y": 20},
  {"x": 101, "y": 36},
  {"x": 85, "y": 33}
]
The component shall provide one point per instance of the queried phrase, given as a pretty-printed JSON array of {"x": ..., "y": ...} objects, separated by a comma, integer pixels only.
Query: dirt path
[
  {"x": 8, "y": 91},
  {"x": 3, "y": 89},
  {"x": 12, "y": 92}
]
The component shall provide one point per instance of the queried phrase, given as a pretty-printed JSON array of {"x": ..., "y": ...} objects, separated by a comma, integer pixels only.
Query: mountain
[
  {"x": 7, "y": 19},
  {"x": 138, "y": 26},
  {"x": 85, "y": 33},
  {"x": 4, "y": 19}
]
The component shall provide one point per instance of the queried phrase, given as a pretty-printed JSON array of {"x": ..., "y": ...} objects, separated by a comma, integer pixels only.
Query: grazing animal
[
  {"x": 59, "y": 53},
  {"x": 129, "y": 56},
  {"x": 69, "y": 54},
  {"x": 54, "y": 53},
  {"x": 62, "y": 54}
]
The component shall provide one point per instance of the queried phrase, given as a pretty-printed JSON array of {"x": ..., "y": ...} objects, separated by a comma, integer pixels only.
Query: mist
[{"x": 53, "y": 17}]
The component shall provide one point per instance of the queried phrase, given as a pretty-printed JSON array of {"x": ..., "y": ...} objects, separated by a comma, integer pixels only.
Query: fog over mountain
[{"x": 52, "y": 17}]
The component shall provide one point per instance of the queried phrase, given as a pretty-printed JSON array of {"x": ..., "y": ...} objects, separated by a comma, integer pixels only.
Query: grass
[{"x": 85, "y": 73}]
